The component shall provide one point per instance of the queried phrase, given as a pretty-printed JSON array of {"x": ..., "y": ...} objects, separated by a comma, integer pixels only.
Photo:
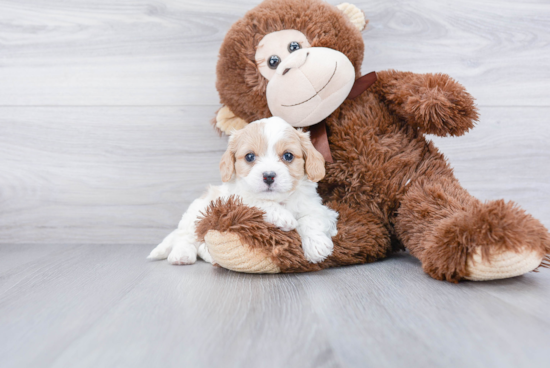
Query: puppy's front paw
[
  {"x": 162, "y": 250},
  {"x": 284, "y": 221},
  {"x": 204, "y": 253},
  {"x": 159, "y": 253},
  {"x": 185, "y": 254},
  {"x": 317, "y": 247}
]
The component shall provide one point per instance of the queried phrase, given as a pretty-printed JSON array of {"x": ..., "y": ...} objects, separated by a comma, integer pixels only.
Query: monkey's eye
[
  {"x": 288, "y": 157},
  {"x": 293, "y": 46},
  {"x": 274, "y": 61},
  {"x": 250, "y": 157}
]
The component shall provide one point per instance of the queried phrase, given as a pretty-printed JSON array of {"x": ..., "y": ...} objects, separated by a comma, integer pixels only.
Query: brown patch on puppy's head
[
  {"x": 307, "y": 160},
  {"x": 241, "y": 86},
  {"x": 290, "y": 143},
  {"x": 241, "y": 143}
]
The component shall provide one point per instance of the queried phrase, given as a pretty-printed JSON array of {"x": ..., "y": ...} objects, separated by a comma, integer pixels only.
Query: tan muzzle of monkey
[{"x": 309, "y": 85}]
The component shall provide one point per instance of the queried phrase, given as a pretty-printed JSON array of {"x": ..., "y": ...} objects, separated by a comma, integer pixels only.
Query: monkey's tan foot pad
[
  {"x": 502, "y": 265},
  {"x": 228, "y": 251}
]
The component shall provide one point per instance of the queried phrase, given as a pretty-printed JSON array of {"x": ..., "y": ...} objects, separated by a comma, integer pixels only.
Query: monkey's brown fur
[{"x": 391, "y": 186}]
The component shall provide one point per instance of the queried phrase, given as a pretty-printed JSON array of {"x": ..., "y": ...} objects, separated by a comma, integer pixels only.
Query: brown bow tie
[{"x": 318, "y": 132}]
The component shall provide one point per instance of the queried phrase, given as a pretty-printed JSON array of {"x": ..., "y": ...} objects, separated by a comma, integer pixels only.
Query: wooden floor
[
  {"x": 105, "y": 139},
  {"x": 104, "y": 306}
]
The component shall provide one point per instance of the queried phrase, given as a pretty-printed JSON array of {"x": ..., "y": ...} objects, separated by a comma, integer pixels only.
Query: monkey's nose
[
  {"x": 269, "y": 177},
  {"x": 294, "y": 60}
]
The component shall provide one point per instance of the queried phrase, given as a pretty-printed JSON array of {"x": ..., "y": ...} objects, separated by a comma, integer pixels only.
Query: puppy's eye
[
  {"x": 273, "y": 61},
  {"x": 288, "y": 157},
  {"x": 293, "y": 46},
  {"x": 250, "y": 157}
]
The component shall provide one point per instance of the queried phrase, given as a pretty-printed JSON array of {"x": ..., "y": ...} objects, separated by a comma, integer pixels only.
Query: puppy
[{"x": 274, "y": 167}]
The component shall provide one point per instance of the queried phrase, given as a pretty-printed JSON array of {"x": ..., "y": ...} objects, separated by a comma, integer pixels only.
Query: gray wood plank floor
[
  {"x": 105, "y": 306},
  {"x": 105, "y": 139}
]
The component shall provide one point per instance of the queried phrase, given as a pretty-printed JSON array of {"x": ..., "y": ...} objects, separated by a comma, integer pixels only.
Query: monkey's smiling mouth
[{"x": 319, "y": 91}]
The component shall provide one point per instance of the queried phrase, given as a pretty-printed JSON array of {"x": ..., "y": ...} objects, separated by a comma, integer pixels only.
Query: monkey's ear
[
  {"x": 227, "y": 122},
  {"x": 354, "y": 14}
]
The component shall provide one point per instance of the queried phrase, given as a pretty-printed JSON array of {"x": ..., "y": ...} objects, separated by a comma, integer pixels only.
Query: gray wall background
[{"x": 105, "y": 106}]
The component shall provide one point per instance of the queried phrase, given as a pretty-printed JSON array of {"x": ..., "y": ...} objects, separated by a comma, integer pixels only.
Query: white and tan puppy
[{"x": 274, "y": 167}]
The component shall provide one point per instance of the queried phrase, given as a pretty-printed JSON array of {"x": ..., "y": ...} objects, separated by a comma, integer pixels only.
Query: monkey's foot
[{"x": 501, "y": 265}]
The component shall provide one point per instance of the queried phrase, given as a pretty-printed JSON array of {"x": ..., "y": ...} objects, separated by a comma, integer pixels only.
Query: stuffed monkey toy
[{"x": 301, "y": 60}]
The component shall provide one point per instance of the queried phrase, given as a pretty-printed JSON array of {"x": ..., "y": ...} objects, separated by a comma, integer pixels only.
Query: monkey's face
[
  {"x": 297, "y": 59},
  {"x": 306, "y": 84}
]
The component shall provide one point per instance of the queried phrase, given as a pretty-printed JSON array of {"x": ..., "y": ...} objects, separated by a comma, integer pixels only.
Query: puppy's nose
[{"x": 269, "y": 177}]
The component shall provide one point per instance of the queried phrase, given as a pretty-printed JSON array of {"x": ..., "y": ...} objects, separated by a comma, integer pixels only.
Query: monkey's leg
[
  {"x": 457, "y": 237},
  {"x": 238, "y": 239},
  {"x": 363, "y": 236}
]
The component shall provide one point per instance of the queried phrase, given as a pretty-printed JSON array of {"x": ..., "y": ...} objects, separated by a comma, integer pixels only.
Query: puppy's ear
[
  {"x": 315, "y": 162},
  {"x": 227, "y": 163}
]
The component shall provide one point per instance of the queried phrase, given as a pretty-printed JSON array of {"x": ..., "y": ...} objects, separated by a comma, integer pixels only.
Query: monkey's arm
[{"x": 433, "y": 103}]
